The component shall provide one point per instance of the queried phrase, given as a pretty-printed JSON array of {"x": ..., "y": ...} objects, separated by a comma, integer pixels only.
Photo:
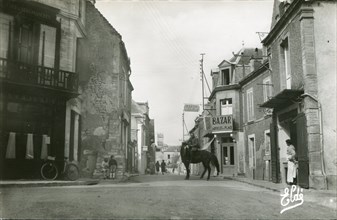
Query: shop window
[
  {"x": 228, "y": 155},
  {"x": 226, "y": 107}
]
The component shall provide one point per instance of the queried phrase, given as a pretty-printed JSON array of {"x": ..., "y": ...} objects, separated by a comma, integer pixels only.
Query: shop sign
[
  {"x": 145, "y": 148},
  {"x": 191, "y": 108},
  {"x": 222, "y": 123}
]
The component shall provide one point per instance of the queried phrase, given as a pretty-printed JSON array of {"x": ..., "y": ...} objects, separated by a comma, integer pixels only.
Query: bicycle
[{"x": 49, "y": 170}]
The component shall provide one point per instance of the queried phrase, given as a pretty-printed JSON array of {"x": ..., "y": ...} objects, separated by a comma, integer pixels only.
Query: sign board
[
  {"x": 222, "y": 123},
  {"x": 145, "y": 148},
  {"x": 191, "y": 108}
]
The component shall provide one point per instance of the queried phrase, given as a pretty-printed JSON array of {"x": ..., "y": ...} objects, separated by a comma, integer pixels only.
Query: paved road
[{"x": 156, "y": 197}]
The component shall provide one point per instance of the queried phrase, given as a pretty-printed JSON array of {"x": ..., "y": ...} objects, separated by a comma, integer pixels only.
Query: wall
[
  {"x": 325, "y": 45},
  {"x": 258, "y": 126},
  {"x": 99, "y": 68}
]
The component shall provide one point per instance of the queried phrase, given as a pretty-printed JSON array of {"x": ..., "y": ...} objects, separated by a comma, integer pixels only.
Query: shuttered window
[
  {"x": 6, "y": 33},
  {"x": 47, "y": 46},
  {"x": 250, "y": 104}
]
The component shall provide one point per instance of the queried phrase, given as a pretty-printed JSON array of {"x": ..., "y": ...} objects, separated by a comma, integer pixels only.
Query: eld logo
[{"x": 291, "y": 198}]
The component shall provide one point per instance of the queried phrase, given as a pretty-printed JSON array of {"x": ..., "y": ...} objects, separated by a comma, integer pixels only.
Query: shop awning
[{"x": 284, "y": 98}]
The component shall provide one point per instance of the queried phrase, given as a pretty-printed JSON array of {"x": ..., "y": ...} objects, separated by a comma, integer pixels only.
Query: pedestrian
[
  {"x": 113, "y": 167},
  {"x": 105, "y": 168},
  {"x": 292, "y": 163},
  {"x": 157, "y": 166},
  {"x": 163, "y": 167}
]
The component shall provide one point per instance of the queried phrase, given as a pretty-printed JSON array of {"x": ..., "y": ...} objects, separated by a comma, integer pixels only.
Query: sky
[{"x": 164, "y": 40}]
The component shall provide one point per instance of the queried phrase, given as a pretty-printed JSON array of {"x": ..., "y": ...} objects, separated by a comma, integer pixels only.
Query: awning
[{"x": 284, "y": 98}]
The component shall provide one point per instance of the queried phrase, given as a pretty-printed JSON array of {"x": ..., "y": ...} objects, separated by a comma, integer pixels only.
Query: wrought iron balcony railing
[{"x": 22, "y": 73}]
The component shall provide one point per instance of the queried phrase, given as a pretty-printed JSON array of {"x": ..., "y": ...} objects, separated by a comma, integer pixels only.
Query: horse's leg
[
  {"x": 187, "y": 166},
  {"x": 203, "y": 173}
]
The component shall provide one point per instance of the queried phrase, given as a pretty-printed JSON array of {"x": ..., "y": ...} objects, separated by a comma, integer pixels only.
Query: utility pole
[
  {"x": 202, "y": 79},
  {"x": 183, "y": 128}
]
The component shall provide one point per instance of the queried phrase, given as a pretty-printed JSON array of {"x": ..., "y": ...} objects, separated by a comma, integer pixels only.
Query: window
[
  {"x": 251, "y": 150},
  {"x": 226, "y": 107},
  {"x": 47, "y": 46},
  {"x": 267, "y": 89},
  {"x": 225, "y": 77},
  {"x": 6, "y": 33},
  {"x": 285, "y": 56},
  {"x": 168, "y": 156},
  {"x": 267, "y": 142},
  {"x": 250, "y": 104}
]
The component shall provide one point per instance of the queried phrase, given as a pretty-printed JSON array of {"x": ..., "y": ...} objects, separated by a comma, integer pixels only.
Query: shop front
[{"x": 222, "y": 128}]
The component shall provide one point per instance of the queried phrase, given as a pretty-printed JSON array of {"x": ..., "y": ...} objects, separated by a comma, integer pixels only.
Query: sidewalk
[
  {"x": 327, "y": 198},
  {"x": 79, "y": 182},
  {"x": 42, "y": 183}
]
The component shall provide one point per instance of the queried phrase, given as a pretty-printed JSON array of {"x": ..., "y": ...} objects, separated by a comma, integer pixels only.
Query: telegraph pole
[
  {"x": 183, "y": 128},
  {"x": 202, "y": 79}
]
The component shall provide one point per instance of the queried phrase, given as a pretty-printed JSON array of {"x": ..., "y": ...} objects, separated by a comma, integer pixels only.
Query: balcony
[{"x": 38, "y": 76}]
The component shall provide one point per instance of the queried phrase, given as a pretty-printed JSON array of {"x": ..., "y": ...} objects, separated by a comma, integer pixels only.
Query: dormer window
[{"x": 225, "y": 77}]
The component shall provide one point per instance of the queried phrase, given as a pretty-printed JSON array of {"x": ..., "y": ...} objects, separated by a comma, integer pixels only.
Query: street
[{"x": 157, "y": 197}]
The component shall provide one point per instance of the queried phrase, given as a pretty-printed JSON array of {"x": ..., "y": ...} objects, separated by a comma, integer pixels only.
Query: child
[{"x": 105, "y": 168}]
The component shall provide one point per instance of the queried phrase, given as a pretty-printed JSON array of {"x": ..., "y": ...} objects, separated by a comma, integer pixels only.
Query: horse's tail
[{"x": 215, "y": 162}]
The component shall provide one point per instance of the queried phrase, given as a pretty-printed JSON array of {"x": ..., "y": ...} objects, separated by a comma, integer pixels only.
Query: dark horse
[{"x": 202, "y": 156}]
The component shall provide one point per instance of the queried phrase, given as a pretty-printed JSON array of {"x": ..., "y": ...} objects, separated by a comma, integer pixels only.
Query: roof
[
  {"x": 262, "y": 68},
  {"x": 135, "y": 108},
  {"x": 244, "y": 56}
]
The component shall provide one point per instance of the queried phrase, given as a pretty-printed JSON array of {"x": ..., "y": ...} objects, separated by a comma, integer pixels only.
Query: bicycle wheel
[
  {"x": 49, "y": 171},
  {"x": 72, "y": 172}
]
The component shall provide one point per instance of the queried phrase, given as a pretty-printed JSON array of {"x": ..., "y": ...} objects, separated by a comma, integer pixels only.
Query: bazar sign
[
  {"x": 191, "y": 108},
  {"x": 222, "y": 123}
]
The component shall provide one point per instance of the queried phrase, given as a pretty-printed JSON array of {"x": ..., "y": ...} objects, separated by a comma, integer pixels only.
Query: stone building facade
[
  {"x": 105, "y": 95},
  {"x": 302, "y": 49},
  {"x": 225, "y": 108},
  {"x": 39, "y": 84},
  {"x": 256, "y": 88}
]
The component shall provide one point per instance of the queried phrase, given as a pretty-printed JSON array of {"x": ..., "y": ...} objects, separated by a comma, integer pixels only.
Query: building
[
  {"x": 302, "y": 49},
  {"x": 105, "y": 95},
  {"x": 256, "y": 88},
  {"x": 225, "y": 103},
  {"x": 143, "y": 134},
  {"x": 39, "y": 81}
]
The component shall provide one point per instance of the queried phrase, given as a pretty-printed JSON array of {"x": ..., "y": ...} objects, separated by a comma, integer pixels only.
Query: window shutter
[{"x": 47, "y": 46}]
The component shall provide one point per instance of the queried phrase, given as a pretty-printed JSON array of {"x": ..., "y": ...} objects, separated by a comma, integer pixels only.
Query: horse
[{"x": 201, "y": 156}]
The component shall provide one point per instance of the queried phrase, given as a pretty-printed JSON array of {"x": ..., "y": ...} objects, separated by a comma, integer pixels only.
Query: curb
[
  {"x": 19, "y": 184},
  {"x": 251, "y": 183}
]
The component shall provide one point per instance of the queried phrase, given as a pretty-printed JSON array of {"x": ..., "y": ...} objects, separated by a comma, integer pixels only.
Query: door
[
  {"x": 302, "y": 152},
  {"x": 228, "y": 159},
  {"x": 25, "y": 44}
]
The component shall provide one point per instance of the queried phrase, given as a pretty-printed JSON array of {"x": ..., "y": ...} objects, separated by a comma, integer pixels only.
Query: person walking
[
  {"x": 163, "y": 167},
  {"x": 292, "y": 163},
  {"x": 112, "y": 167},
  {"x": 157, "y": 166}
]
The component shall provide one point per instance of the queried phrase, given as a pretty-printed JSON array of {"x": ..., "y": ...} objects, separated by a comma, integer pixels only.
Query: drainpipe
[{"x": 321, "y": 135}]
